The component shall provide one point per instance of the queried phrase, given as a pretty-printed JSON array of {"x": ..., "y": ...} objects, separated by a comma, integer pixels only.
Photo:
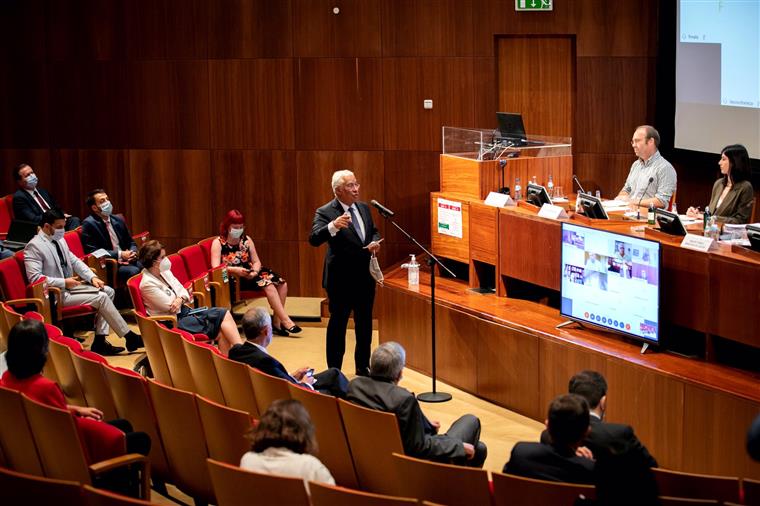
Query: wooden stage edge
[{"x": 692, "y": 415}]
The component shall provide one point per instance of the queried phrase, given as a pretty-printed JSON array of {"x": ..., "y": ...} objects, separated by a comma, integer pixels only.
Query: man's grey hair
[
  {"x": 254, "y": 321},
  {"x": 339, "y": 177},
  {"x": 387, "y": 361},
  {"x": 651, "y": 133}
]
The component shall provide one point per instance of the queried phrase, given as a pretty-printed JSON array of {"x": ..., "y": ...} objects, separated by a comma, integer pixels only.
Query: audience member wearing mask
[{"x": 30, "y": 201}]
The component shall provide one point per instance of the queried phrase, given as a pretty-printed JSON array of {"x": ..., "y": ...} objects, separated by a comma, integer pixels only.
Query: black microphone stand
[{"x": 433, "y": 396}]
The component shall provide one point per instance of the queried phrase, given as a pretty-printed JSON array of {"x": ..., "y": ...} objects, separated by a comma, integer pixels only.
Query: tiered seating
[
  {"x": 326, "y": 495},
  {"x": 697, "y": 486},
  {"x": 234, "y": 486},
  {"x": 510, "y": 490},
  {"x": 201, "y": 362},
  {"x": 225, "y": 430},
  {"x": 6, "y": 215},
  {"x": 236, "y": 385},
  {"x": 268, "y": 388},
  {"x": 22, "y": 488},
  {"x": 196, "y": 286},
  {"x": 219, "y": 275},
  {"x": 176, "y": 360}
]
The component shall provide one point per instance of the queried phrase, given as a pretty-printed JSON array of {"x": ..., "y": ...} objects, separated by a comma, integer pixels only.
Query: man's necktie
[
  {"x": 64, "y": 264},
  {"x": 355, "y": 223},
  {"x": 41, "y": 201},
  {"x": 112, "y": 233}
]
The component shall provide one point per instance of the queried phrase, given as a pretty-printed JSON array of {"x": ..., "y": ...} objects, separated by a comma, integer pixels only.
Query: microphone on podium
[
  {"x": 638, "y": 212},
  {"x": 384, "y": 211}
]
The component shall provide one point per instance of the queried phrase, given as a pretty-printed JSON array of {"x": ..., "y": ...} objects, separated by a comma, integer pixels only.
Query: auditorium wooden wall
[{"x": 183, "y": 109}]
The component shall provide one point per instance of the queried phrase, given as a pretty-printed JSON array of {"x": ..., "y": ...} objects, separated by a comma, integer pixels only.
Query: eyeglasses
[{"x": 352, "y": 186}]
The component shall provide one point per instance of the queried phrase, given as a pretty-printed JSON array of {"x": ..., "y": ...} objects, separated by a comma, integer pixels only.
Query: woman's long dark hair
[
  {"x": 738, "y": 163},
  {"x": 27, "y": 349}
]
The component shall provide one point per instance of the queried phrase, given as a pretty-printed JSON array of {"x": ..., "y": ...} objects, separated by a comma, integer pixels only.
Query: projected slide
[
  {"x": 735, "y": 26},
  {"x": 611, "y": 280}
]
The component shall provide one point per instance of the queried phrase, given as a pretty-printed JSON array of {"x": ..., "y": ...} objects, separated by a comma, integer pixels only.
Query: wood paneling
[
  {"x": 252, "y": 103},
  {"x": 604, "y": 172},
  {"x": 611, "y": 102},
  {"x": 339, "y": 103},
  {"x": 86, "y": 30},
  {"x": 250, "y": 29},
  {"x": 715, "y": 426},
  {"x": 427, "y": 27},
  {"x": 171, "y": 193},
  {"x": 508, "y": 369},
  {"x": 406, "y": 320},
  {"x": 89, "y": 105},
  {"x": 486, "y": 92},
  {"x": 469, "y": 177},
  {"x": 23, "y": 105},
  {"x": 519, "y": 233},
  {"x": 169, "y": 104},
  {"x": 410, "y": 176},
  {"x": 616, "y": 29},
  {"x": 543, "y": 92},
  {"x": 164, "y": 29},
  {"x": 263, "y": 185},
  {"x": 448, "y": 82},
  {"x": 22, "y": 30},
  {"x": 687, "y": 275},
  {"x": 282, "y": 257},
  {"x": 354, "y": 31},
  {"x": 456, "y": 344},
  {"x": 310, "y": 263},
  {"x": 558, "y": 363},
  {"x": 644, "y": 400},
  {"x": 725, "y": 274},
  {"x": 484, "y": 233}
]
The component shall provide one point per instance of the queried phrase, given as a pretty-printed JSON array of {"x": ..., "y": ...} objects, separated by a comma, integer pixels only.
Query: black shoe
[
  {"x": 280, "y": 331},
  {"x": 134, "y": 341},
  {"x": 364, "y": 371},
  {"x": 295, "y": 329},
  {"x": 105, "y": 348}
]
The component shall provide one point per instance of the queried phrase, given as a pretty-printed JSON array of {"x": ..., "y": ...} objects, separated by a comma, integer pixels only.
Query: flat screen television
[
  {"x": 611, "y": 281},
  {"x": 669, "y": 222},
  {"x": 537, "y": 195},
  {"x": 753, "y": 234},
  {"x": 592, "y": 207}
]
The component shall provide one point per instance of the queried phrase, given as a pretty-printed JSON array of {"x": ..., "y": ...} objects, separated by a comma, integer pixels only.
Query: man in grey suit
[{"x": 49, "y": 256}]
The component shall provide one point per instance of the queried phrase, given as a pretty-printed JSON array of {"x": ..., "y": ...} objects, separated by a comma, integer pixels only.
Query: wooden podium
[{"x": 467, "y": 179}]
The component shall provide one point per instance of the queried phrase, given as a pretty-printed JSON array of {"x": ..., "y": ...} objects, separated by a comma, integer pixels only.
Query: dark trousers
[
  {"x": 467, "y": 428},
  {"x": 342, "y": 303},
  {"x": 126, "y": 481}
]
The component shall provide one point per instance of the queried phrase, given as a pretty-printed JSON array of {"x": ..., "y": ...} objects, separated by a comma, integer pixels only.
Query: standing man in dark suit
[
  {"x": 30, "y": 201},
  {"x": 604, "y": 437},
  {"x": 346, "y": 225},
  {"x": 102, "y": 230},
  {"x": 564, "y": 459},
  {"x": 257, "y": 326}
]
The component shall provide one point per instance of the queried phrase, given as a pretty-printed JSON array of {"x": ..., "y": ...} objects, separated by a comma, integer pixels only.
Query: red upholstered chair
[
  {"x": 197, "y": 265},
  {"x": 104, "y": 268},
  {"x": 205, "y": 245},
  {"x": 197, "y": 289},
  {"x": 6, "y": 216},
  {"x": 219, "y": 278}
]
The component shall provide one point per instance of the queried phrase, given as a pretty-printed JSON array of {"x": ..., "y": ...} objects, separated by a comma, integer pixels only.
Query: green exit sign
[{"x": 534, "y": 5}]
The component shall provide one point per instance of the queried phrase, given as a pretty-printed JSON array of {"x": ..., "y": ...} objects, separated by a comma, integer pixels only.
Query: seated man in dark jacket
[
  {"x": 257, "y": 326},
  {"x": 30, "y": 201},
  {"x": 460, "y": 445},
  {"x": 603, "y": 436},
  {"x": 102, "y": 230},
  {"x": 564, "y": 459}
]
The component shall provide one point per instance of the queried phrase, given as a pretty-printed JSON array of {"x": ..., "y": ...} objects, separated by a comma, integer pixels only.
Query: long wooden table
[{"x": 693, "y": 415}]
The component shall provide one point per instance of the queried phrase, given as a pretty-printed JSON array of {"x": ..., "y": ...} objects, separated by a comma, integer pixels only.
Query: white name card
[
  {"x": 496, "y": 199},
  {"x": 552, "y": 212},
  {"x": 696, "y": 242}
]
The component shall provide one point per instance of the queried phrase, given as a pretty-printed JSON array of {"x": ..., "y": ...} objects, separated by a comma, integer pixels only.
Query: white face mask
[
  {"x": 236, "y": 233},
  {"x": 58, "y": 233},
  {"x": 106, "y": 208},
  {"x": 31, "y": 181},
  {"x": 165, "y": 264}
]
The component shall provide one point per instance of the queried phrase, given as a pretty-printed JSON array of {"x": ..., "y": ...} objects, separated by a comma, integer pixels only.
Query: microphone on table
[
  {"x": 638, "y": 207},
  {"x": 384, "y": 211},
  {"x": 580, "y": 186}
]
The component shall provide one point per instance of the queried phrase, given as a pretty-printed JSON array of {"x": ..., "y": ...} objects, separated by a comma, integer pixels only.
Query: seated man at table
[
  {"x": 564, "y": 459},
  {"x": 461, "y": 445},
  {"x": 30, "y": 201},
  {"x": 652, "y": 179},
  {"x": 102, "y": 230},
  {"x": 257, "y": 326}
]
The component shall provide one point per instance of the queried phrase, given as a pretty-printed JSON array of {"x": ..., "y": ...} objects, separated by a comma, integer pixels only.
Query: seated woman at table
[
  {"x": 162, "y": 293},
  {"x": 235, "y": 249},
  {"x": 732, "y": 194}
]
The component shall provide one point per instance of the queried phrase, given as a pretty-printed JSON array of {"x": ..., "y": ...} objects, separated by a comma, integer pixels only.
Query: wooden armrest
[
  {"x": 125, "y": 460},
  {"x": 163, "y": 317},
  {"x": 200, "y": 298},
  {"x": 56, "y": 292},
  {"x": 37, "y": 291},
  {"x": 38, "y": 303}
]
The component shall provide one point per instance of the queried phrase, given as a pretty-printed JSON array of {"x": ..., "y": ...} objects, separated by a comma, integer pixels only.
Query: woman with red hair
[{"x": 236, "y": 250}]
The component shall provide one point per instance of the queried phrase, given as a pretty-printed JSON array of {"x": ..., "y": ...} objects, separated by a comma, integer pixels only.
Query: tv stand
[
  {"x": 571, "y": 322},
  {"x": 644, "y": 348}
]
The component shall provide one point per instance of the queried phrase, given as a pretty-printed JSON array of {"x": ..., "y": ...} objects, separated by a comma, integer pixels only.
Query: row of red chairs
[{"x": 6, "y": 215}]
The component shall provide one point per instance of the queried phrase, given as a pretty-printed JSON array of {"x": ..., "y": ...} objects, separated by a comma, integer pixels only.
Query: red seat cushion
[
  {"x": 133, "y": 284},
  {"x": 179, "y": 269},
  {"x": 195, "y": 261},
  {"x": 67, "y": 341},
  {"x": 92, "y": 356},
  {"x": 74, "y": 241},
  {"x": 77, "y": 311},
  {"x": 205, "y": 245},
  {"x": 12, "y": 282}
]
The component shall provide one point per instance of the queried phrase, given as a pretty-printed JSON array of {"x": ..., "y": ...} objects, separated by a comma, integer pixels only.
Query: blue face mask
[
  {"x": 236, "y": 233},
  {"x": 31, "y": 181},
  {"x": 106, "y": 208}
]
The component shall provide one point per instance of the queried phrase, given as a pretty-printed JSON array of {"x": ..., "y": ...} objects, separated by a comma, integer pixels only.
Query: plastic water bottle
[
  {"x": 650, "y": 215},
  {"x": 550, "y": 186},
  {"x": 578, "y": 202},
  {"x": 712, "y": 230},
  {"x": 518, "y": 189},
  {"x": 534, "y": 180},
  {"x": 706, "y": 217},
  {"x": 413, "y": 271}
]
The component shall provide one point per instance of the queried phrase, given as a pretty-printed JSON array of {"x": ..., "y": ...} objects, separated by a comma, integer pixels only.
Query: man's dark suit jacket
[
  {"x": 417, "y": 433},
  {"x": 346, "y": 261},
  {"x": 25, "y": 207},
  {"x": 329, "y": 382},
  {"x": 605, "y": 436},
  {"x": 544, "y": 462},
  {"x": 95, "y": 235}
]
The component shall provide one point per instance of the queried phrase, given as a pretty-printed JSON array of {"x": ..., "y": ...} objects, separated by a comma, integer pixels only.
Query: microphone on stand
[
  {"x": 384, "y": 211},
  {"x": 638, "y": 207},
  {"x": 580, "y": 186}
]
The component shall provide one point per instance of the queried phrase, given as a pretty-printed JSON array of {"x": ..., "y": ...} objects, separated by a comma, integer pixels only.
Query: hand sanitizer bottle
[
  {"x": 413, "y": 271},
  {"x": 550, "y": 187},
  {"x": 518, "y": 189}
]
